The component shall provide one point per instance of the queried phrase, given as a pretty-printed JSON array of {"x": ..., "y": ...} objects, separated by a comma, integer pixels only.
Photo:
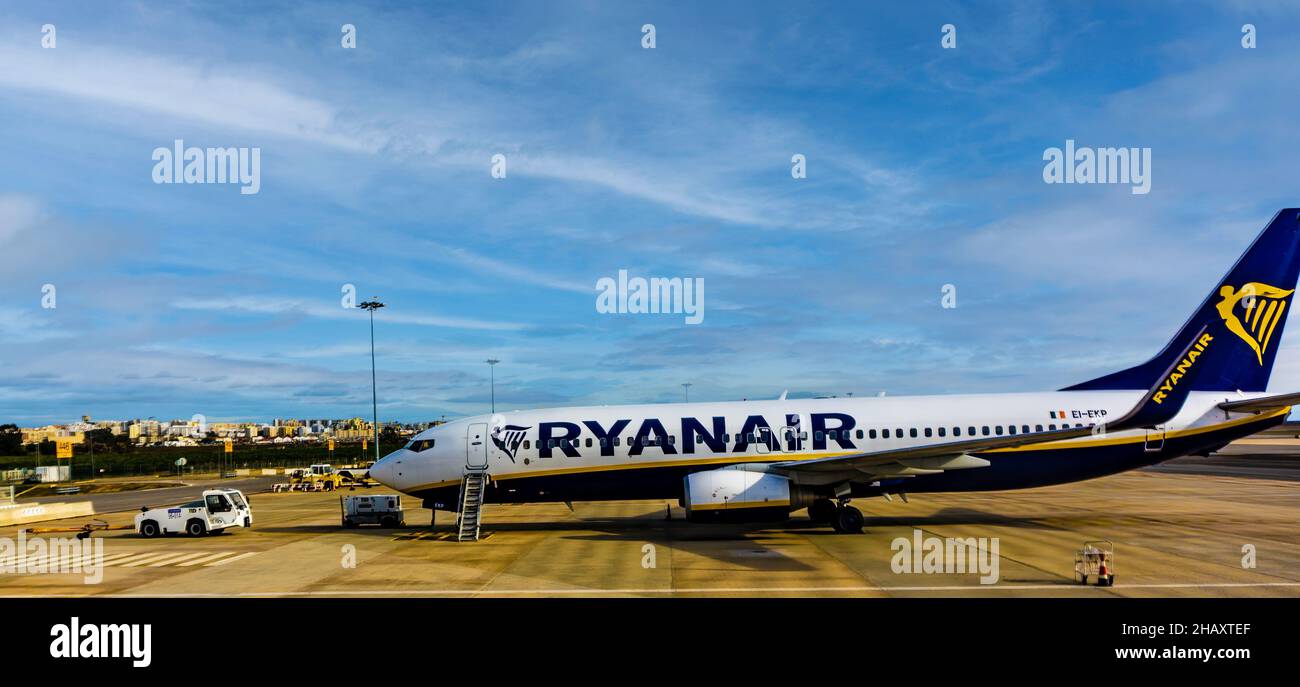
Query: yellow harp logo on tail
[{"x": 1262, "y": 307}]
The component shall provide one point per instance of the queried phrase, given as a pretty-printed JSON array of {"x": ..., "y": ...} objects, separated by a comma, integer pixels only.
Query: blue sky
[{"x": 924, "y": 169}]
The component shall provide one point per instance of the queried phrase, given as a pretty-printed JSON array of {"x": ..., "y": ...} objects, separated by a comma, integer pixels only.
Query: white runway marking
[
  {"x": 174, "y": 559},
  {"x": 131, "y": 559},
  {"x": 230, "y": 560},
  {"x": 149, "y": 558},
  {"x": 209, "y": 557}
]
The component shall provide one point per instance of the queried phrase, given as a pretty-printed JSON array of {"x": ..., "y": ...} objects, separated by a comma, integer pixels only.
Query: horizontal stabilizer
[{"x": 1254, "y": 405}]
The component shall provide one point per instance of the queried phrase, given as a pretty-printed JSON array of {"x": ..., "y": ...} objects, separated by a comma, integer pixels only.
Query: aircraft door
[
  {"x": 476, "y": 446},
  {"x": 763, "y": 442}
]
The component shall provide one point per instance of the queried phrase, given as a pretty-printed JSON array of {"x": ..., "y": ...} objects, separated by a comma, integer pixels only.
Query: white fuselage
[{"x": 554, "y": 442}]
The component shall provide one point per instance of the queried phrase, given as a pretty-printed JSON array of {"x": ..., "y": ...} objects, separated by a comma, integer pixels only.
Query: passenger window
[
  {"x": 617, "y": 441},
  {"x": 818, "y": 436},
  {"x": 971, "y": 431},
  {"x": 898, "y": 432},
  {"x": 942, "y": 431},
  {"x": 928, "y": 432},
  {"x": 872, "y": 434},
  {"x": 526, "y": 444},
  {"x": 859, "y": 434},
  {"x": 1038, "y": 428},
  {"x": 912, "y": 432},
  {"x": 956, "y": 431},
  {"x": 604, "y": 442},
  {"x": 986, "y": 430},
  {"x": 1024, "y": 429},
  {"x": 588, "y": 442},
  {"x": 1011, "y": 429}
]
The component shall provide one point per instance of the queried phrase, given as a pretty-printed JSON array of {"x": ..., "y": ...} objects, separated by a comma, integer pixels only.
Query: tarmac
[{"x": 1221, "y": 527}]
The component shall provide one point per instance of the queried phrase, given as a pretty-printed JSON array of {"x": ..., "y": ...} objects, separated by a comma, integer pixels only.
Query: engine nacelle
[{"x": 739, "y": 495}]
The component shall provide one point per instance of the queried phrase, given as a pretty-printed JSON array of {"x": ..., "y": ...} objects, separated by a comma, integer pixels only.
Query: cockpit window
[{"x": 418, "y": 445}]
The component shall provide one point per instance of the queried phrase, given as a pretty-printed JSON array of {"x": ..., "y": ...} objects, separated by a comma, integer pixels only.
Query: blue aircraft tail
[{"x": 1243, "y": 317}]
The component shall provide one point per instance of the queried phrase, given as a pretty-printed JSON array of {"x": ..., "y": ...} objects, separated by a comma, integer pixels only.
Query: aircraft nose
[{"x": 385, "y": 470}]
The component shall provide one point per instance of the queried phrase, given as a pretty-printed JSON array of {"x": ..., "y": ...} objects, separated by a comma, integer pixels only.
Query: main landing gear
[{"x": 842, "y": 517}]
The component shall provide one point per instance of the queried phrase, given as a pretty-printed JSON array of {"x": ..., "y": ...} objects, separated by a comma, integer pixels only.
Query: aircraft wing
[
  {"x": 1261, "y": 404},
  {"x": 1160, "y": 404}
]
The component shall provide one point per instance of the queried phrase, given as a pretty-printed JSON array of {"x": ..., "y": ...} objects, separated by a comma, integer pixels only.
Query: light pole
[
  {"x": 492, "y": 367},
  {"x": 686, "y": 387},
  {"x": 373, "y": 305}
]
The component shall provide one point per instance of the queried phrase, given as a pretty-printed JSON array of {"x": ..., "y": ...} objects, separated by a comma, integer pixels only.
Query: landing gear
[
  {"x": 822, "y": 511},
  {"x": 848, "y": 520}
]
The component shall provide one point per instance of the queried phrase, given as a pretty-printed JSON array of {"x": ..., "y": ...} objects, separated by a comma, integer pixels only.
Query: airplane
[{"x": 763, "y": 460}]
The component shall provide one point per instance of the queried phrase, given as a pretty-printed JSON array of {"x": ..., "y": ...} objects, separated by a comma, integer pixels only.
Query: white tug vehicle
[{"x": 217, "y": 510}]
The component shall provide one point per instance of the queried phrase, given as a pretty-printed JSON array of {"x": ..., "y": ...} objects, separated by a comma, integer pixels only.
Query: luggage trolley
[{"x": 1096, "y": 558}]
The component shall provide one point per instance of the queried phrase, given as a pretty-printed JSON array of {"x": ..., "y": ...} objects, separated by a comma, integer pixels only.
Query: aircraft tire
[
  {"x": 822, "y": 511},
  {"x": 849, "y": 520}
]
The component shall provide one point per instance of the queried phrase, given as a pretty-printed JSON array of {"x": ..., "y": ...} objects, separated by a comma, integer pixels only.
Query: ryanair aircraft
[{"x": 763, "y": 460}]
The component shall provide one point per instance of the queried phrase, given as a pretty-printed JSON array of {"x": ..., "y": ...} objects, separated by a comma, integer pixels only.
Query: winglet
[
  {"x": 1163, "y": 401},
  {"x": 783, "y": 393}
]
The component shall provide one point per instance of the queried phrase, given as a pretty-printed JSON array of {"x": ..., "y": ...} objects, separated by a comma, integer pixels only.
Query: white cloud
[
  {"x": 268, "y": 305},
  {"x": 18, "y": 214}
]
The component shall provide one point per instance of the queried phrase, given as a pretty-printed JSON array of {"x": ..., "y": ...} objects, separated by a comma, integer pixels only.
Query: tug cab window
[{"x": 218, "y": 503}]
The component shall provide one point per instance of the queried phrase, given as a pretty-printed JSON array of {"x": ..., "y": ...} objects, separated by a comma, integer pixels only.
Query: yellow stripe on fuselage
[{"x": 749, "y": 457}]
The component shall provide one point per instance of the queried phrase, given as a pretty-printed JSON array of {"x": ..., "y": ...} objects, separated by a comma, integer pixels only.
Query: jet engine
[{"x": 737, "y": 494}]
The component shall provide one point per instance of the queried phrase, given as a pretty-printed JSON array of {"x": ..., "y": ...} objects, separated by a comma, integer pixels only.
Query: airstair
[{"x": 471, "y": 503}]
